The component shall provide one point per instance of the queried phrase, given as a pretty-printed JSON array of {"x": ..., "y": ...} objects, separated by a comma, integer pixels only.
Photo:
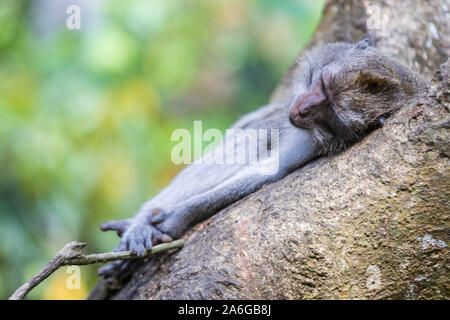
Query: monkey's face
[
  {"x": 350, "y": 92},
  {"x": 312, "y": 108},
  {"x": 321, "y": 108}
]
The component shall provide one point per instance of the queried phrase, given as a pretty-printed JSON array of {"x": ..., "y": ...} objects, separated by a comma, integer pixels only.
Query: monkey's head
[{"x": 347, "y": 90}]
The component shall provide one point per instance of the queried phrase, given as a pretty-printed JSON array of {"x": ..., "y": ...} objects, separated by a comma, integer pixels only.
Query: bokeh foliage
[{"x": 86, "y": 115}]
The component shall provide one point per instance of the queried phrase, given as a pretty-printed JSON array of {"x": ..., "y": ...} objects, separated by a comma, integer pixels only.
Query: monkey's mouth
[{"x": 300, "y": 122}]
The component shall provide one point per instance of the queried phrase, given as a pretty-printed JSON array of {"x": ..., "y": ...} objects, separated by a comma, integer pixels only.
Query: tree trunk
[{"x": 371, "y": 222}]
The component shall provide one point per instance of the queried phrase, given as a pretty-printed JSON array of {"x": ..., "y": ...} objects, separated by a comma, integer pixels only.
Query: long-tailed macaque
[{"x": 335, "y": 95}]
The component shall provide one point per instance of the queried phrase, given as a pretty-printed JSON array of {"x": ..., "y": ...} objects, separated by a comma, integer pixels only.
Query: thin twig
[{"x": 72, "y": 255}]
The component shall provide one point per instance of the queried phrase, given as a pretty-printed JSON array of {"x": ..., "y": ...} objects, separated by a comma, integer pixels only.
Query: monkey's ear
[
  {"x": 364, "y": 43},
  {"x": 375, "y": 82}
]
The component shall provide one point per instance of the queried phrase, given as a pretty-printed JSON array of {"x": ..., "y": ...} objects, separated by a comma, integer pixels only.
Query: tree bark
[{"x": 369, "y": 223}]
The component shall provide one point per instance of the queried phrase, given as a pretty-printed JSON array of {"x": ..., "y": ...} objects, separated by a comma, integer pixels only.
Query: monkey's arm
[
  {"x": 201, "y": 190},
  {"x": 295, "y": 149}
]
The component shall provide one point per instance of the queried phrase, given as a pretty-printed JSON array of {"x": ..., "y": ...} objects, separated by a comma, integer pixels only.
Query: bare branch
[{"x": 72, "y": 255}]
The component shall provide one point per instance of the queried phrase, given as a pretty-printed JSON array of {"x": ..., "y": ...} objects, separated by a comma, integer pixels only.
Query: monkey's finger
[
  {"x": 166, "y": 238},
  {"x": 124, "y": 266},
  {"x": 158, "y": 217},
  {"x": 121, "y": 247},
  {"x": 120, "y": 226},
  {"x": 158, "y": 237},
  {"x": 148, "y": 244},
  {"x": 136, "y": 244},
  {"x": 110, "y": 269},
  {"x": 116, "y": 225}
]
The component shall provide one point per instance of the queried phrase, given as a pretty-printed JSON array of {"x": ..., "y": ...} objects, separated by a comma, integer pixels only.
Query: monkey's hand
[{"x": 138, "y": 236}]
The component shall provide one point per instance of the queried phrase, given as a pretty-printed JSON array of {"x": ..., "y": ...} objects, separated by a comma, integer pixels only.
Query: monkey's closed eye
[
  {"x": 324, "y": 87},
  {"x": 311, "y": 76}
]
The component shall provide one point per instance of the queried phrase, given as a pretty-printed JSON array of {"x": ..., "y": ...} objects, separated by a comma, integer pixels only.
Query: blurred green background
[{"x": 86, "y": 115}]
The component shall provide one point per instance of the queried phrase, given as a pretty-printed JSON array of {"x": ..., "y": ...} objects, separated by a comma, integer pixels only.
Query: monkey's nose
[
  {"x": 299, "y": 111},
  {"x": 304, "y": 110},
  {"x": 304, "y": 103}
]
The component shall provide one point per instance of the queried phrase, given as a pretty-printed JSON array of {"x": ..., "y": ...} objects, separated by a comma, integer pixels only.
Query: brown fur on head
[{"x": 351, "y": 89}]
